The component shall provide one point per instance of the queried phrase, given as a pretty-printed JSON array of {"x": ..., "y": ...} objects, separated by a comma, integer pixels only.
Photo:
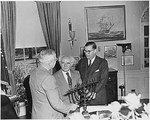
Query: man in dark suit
[
  {"x": 66, "y": 63},
  {"x": 93, "y": 67}
]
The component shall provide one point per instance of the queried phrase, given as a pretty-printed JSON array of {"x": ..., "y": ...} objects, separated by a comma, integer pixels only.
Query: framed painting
[
  {"x": 128, "y": 60},
  {"x": 76, "y": 61},
  {"x": 110, "y": 51},
  {"x": 82, "y": 54},
  {"x": 105, "y": 23},
  {"x": 128, "y": 48}
]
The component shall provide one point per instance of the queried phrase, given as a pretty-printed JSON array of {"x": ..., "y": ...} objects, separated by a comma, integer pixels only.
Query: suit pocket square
[{"x": 97, "y": 70}]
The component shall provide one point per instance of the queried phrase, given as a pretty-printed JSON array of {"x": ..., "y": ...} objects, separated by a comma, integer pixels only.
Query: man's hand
[{"x": 74, "y": 107}]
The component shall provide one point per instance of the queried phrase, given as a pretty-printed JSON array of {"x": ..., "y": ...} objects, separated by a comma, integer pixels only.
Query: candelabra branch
[{"x": 82, "y": 94}]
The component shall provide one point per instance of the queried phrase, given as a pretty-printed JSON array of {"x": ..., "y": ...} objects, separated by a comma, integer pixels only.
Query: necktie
[
  {"x": 89, "y": 63},
  {"x": 69, "y": 80}
]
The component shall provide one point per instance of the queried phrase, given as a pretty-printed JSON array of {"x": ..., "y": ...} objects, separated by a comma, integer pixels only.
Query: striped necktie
[{"x": 69, "y": 80}]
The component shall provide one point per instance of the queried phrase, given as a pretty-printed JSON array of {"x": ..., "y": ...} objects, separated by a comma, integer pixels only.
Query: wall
[
  {"x": 29, "y": 34},
  {"x": 75, "y": 11},
  {"x": 135, "y": 78}
]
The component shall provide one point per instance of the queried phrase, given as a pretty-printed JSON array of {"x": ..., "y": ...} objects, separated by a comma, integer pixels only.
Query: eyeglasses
[{"x": 88, "y": 51}]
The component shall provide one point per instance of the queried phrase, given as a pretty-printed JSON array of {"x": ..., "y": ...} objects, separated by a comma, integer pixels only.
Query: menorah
[{"x": 82, "y": 94}]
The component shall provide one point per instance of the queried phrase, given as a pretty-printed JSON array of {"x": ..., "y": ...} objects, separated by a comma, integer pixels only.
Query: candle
[{"x": 70, "y": 25}]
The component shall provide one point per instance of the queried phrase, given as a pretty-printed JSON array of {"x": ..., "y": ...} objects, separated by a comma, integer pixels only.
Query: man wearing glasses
[{"x": 92, "y": 67}]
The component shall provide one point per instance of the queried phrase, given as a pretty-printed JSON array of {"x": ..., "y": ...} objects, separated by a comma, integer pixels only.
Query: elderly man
[
  {"x": 66, "y": 77},
  {"x": 47, "y": 103}
]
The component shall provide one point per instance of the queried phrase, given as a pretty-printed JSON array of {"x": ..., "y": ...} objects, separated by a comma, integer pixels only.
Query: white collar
[
  {"x": 66, "y": 72},
  {"x": 92, "y": 60}
]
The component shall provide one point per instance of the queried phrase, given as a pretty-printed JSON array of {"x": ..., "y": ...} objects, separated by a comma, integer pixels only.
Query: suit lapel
[
  {"x": 73, "y": 76},
  {"x": 93, "y": 64},
  {"x": 93, "y": 67}
]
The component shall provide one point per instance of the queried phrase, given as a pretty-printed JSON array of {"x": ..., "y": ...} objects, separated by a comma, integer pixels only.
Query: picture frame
[
  {"x": 82, "y": 54},
  {"x": 110, "y": 51},
  {"x": 105, "y": 23},
  {"x": 128, "y": 48},
  {"x": 129, "y": 60},
  {"x": 76, "y": 61}
]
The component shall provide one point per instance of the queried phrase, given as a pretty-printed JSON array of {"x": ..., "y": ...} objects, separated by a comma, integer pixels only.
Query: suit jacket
[
  {"x": 45, "y": 95},
  {"x": 63, "y": 85},
  {"x": 97, "y": 71}
]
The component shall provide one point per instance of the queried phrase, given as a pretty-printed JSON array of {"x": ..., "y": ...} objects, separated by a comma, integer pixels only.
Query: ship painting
[
  {"x": 106, "y": 24},
  {"x": 106, "y": 30}
]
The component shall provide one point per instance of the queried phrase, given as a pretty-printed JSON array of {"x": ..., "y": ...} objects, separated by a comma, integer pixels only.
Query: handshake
[{"x": 74, "y": 108}]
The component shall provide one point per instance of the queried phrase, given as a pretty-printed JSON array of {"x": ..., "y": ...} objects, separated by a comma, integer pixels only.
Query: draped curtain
[
  {"x": 49, "y": 14},
  {"x": 4, "y": 70},
  {"x": 8, "y": 23}
]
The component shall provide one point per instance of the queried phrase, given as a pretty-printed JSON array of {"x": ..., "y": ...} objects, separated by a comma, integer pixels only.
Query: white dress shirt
[
  {"x": 66, "y": 77},
  {"x": 92, "y": 60}
]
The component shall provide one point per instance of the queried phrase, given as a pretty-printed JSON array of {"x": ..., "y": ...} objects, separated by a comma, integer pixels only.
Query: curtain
[
  {"x": 49, "y": 14},
  {"x": 8, "y": 23},
  {"x": 4, "y": 70}
]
